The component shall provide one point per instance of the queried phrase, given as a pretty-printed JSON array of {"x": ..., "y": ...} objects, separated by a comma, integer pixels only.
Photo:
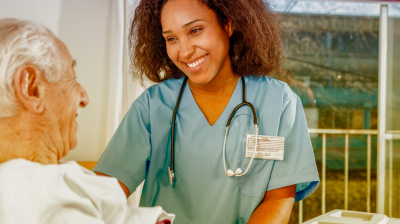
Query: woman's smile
[
  {"x": 196, "y": 65},
  {"x": 196, "y": 42},
  {"x": 197, "y": 62}
]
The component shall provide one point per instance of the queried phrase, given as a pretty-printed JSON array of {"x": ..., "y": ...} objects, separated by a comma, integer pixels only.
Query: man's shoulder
[
  {"x": 21, "y": 177},
  {"x": 20, "y": 167},
  {"x": 25, "y": 167},
  {"x": 35, "y": 190},
  {"x": 24, "y": 171}
]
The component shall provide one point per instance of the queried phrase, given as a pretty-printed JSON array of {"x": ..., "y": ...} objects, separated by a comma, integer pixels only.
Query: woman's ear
[
  {"x": 229, "y": 28},
  {"x": 29, "y": 89}
]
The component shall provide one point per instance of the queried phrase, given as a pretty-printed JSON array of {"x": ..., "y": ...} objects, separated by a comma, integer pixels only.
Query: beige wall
[{"x": 84, "y": 25}]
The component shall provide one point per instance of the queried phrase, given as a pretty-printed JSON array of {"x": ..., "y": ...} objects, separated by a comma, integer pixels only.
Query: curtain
[{"x": 123, "y": 90}]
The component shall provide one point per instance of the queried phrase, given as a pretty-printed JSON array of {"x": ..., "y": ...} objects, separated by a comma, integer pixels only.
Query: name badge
[{"x": 268, "y": 147}]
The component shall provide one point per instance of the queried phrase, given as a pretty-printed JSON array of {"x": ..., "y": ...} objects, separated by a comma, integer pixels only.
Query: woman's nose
[{"x": 186, "y": 49}]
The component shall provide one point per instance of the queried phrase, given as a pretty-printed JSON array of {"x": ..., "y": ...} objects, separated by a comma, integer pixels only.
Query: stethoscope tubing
[
  {"x": 252, "y": 157},
  {"x": 173, "y": 124},
  {"x": 244, "y": 103}
]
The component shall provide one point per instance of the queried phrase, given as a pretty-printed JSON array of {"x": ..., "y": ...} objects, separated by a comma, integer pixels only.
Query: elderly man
[{"x": 39, "y": 101}]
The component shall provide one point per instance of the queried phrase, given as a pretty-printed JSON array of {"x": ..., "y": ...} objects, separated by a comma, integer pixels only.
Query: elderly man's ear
[{"x": 29, "y": 88}]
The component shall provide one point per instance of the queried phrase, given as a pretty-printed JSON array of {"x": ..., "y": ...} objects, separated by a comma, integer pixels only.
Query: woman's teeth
[{"x": 196, "y": 63}]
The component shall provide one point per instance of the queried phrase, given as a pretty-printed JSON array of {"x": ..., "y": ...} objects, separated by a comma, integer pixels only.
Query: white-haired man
[{"x": 40, "y": 99}]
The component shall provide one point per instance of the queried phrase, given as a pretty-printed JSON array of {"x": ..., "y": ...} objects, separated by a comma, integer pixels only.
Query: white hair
[{"x": 25, "y": 42}]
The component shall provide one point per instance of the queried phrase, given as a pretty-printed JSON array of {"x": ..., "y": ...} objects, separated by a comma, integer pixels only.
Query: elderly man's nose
[{"x": 84, "y": 98}]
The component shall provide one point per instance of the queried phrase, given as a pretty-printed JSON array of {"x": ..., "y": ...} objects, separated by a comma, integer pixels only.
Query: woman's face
[{"x": 195, "y": 41}]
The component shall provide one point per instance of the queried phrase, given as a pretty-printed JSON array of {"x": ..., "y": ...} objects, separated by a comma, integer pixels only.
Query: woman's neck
[
  {"x": 213, "y": 97},
  {"x": 219, "y": 87}
]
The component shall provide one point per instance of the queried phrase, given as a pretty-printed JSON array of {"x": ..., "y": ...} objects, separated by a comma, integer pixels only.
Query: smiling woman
[
  {"x": 210, "y": 58},
  {"x": 249, "y": 55},
  {"x": 198, "y": 47}
]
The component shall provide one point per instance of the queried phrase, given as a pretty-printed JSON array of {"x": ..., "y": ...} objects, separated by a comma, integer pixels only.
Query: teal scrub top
[{"x": 202, "y": 193}]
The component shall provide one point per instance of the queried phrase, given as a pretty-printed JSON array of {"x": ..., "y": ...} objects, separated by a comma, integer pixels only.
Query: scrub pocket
[{"x": 255, "y": 182}]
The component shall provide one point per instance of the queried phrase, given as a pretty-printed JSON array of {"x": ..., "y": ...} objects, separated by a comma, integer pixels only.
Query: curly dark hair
[{"x": 255, "y": 45}]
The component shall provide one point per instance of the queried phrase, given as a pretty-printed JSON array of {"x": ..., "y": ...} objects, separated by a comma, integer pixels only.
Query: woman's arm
[
  {"x": 126, "y": 190},
  {"x": 275, "y": 207}
]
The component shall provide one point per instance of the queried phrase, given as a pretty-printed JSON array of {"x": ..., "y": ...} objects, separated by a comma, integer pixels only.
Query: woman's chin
[{"x": 199, "y": 79}]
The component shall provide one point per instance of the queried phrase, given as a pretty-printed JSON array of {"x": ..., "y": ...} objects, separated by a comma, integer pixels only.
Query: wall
[{"x": 84, "y": 26}]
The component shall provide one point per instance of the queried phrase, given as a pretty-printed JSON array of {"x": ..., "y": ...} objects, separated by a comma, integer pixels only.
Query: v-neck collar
[{"x": 235, "y": 100}]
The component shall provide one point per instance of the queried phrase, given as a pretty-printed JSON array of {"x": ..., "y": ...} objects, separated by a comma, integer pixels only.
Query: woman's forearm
[{"x": 276, "y": 206}]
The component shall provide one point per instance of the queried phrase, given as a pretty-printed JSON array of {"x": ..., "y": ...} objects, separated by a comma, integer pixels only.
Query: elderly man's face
[{"x": 66, "y": 98}]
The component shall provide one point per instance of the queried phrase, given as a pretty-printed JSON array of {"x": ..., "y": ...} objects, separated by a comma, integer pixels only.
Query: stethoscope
[{"x": 229, "y": 172}]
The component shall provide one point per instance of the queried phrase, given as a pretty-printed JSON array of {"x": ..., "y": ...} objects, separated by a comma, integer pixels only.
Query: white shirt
[{"x": 66, "y": 193}]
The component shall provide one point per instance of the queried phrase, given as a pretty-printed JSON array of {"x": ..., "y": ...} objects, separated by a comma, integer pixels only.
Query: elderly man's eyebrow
[{"x": 74, "y": 63}]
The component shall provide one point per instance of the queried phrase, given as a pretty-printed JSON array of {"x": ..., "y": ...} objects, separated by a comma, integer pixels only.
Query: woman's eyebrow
[
  {"x": 183, "y": 26},
  {"x": 187, "y": 24}
]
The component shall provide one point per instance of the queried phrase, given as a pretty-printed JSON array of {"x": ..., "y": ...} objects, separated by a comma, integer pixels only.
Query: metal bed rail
[
  {"x": 389, "y": 136},
  {"x": 346, "y": 133}
]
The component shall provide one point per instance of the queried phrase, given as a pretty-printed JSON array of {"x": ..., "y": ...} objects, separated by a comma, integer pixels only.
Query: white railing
[
  {"x": 390, "y": 136},
  {"x": 345, "y": 132}
]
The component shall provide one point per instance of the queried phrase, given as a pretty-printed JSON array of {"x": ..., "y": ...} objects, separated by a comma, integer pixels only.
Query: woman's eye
[
  {"x": 195, "y": 30},
  {"x": 170, "y": 39}
]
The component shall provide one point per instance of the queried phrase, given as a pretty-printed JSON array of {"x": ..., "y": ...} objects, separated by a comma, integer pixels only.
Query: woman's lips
[{"x": 196, "y": 65}]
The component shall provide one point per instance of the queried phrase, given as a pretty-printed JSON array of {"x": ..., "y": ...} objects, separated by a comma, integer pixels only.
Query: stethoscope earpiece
[
  {"x": 238, "y": 171},
  {"x": 230, "y": 173}
]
